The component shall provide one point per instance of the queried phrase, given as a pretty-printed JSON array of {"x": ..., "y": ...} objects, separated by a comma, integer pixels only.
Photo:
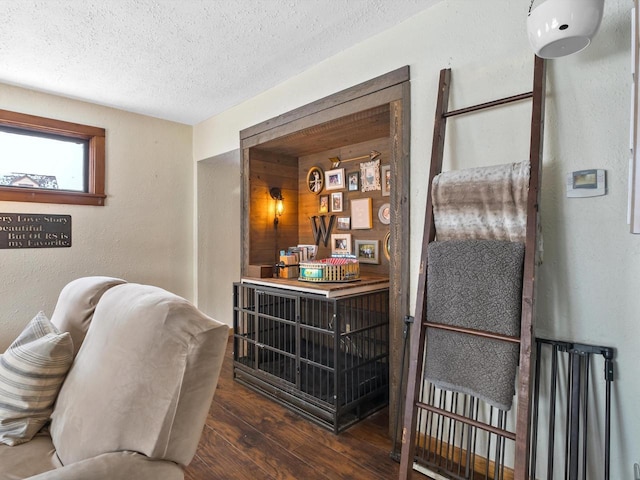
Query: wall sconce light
[{"x": 276, "y": 194}]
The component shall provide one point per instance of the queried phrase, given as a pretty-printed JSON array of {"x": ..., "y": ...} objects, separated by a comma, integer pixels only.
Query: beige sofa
[{"x": 136, "y": 397}]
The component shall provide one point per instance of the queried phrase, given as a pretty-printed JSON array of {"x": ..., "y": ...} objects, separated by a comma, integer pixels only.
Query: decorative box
[
  {"x": 260, "y": 271},
  {"x": 333, "y": 269},
  {"x": 288, "y": 266}
]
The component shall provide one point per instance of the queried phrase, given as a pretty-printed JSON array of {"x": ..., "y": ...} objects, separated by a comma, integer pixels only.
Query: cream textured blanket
[{"x": 482, "y": 203}]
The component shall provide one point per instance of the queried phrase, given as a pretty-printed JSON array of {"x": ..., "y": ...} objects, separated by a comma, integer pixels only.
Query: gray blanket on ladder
[{"x": 474, "y": 284}]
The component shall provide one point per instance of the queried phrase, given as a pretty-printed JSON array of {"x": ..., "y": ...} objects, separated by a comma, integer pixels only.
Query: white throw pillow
[{"x": 31, "y": 373}]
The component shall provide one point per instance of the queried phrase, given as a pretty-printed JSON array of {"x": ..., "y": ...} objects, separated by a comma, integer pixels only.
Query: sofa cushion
[
  {"x": 31, "y": 372},
  {"x": 28, "y": 459},
  {"x": 143, "y": 380},
  {"x": 115, "y": 466},
  {"x": 76, "y": 303}
]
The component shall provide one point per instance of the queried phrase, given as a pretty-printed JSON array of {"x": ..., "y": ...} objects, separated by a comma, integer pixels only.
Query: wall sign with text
[{"x": 29, "y": 230}]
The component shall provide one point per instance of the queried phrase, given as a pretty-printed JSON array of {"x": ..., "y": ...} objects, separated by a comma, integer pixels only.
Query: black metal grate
[
  {"x": 576, "y": 424},
  {"x": 325, "y": 358}
]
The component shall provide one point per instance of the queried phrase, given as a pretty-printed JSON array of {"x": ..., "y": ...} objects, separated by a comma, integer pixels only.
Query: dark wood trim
[
  {"x": 97, "y": 165},
  {"x": 245, "y": 221},
  {"x": 527, "y": 335},
  {"x": 96, "y": 168},
  {"x": 494, "y": 103},
  {"x": 418, "y": 332},
  {"x": 468, "y": 421},
  {"x": 344, "y": 109},
  {"x": 374, "y": 85},
  {"x": 21, "y": 194},
  {"x": 399, "y": 262},
  {"x": 49, "y": 125},
  {"x": 472, "y": 331}
]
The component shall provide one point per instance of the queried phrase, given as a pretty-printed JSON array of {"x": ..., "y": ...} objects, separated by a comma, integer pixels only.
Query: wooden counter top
[{"x": 329, "y": 290}]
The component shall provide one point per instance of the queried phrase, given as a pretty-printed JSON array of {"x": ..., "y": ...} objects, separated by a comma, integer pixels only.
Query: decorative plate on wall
[
  {"x": 315, "y": 180},
  {"x": 384, "y": 214},
  {"x": 387, "y": 245}
]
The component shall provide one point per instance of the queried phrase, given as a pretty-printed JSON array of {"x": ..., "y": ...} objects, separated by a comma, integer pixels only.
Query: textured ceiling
[{"x": 181, "y": 60}]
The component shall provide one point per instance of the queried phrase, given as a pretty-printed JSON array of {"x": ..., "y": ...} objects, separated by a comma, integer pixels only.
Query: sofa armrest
[{"x": 115, "y": 465}]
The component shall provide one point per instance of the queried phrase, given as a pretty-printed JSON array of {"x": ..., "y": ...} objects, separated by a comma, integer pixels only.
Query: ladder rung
[
  {"x": 472, "y": 331},
  {"x": 460, "y": 418},
  {"x": 493, "y": 103}
]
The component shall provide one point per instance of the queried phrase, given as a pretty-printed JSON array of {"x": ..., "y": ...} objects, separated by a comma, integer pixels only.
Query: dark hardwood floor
[{"x": 249, "y": 437}]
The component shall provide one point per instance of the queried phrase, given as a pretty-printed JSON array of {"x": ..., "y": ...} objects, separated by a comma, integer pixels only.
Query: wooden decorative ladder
[{"x": 460, "y": 463}]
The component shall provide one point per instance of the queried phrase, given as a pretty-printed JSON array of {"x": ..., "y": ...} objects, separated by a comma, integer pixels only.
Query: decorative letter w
[{"x": 322, "y": 231}]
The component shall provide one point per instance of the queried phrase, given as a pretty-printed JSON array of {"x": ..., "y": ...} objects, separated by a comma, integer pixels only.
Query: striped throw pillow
[{"x": 31, "y": 373}]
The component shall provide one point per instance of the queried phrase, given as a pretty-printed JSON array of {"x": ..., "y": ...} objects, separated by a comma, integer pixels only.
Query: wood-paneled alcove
[{"x": 374, "y": 115}]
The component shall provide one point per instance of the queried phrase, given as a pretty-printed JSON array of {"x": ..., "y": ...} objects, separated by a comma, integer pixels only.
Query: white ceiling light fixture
[{"x": 557, "y": 28}]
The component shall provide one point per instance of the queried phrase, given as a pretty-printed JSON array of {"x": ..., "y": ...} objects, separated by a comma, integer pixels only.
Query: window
[{"x": 50, "y": 161}]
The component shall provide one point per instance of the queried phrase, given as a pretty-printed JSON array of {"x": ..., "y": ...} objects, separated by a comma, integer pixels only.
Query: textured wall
[
  {"x": 589, "y": 282},
  {"x": 143, "y": 234},
  {"x": 218, "y": 234}
]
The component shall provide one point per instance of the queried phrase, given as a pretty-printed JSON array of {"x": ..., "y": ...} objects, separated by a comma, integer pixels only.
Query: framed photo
[
  {"x": 323, "y": 206},
  {"x": 386, "y": 247},
  {"x": 384, "y": 214},
  {"x": 353, "y": 181},
  {"x": 335, "y": 179},
  {"x": 361, "y": 214},
  {"x": 312, "y": 250},
  {"x": 343, "y": 223},
  {"x": 385, "y": 173},
  {"x": 340, "y": 243},
  {"x": 336, "y": 202},
  {"x": 315, "y": 180},
  {"x": 370, "y": 175},
  {"x": 367, "y": 251}
]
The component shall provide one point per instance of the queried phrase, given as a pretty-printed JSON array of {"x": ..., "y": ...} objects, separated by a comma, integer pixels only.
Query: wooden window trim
[{"x": 96, "y": 176}]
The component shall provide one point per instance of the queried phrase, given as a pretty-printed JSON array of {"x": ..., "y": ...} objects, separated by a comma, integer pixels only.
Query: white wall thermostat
[{"x": 587, "y": 183}]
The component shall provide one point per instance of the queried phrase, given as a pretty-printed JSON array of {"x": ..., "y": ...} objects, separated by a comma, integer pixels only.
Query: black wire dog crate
[{"x": 325, "y": 358}]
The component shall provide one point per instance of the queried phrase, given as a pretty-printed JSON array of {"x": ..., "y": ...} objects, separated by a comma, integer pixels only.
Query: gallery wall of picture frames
[{"x": 356, "y": 192}]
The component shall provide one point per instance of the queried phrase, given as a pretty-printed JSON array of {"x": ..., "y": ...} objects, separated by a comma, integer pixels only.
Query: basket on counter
[{"x": 333, "y": 269}]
